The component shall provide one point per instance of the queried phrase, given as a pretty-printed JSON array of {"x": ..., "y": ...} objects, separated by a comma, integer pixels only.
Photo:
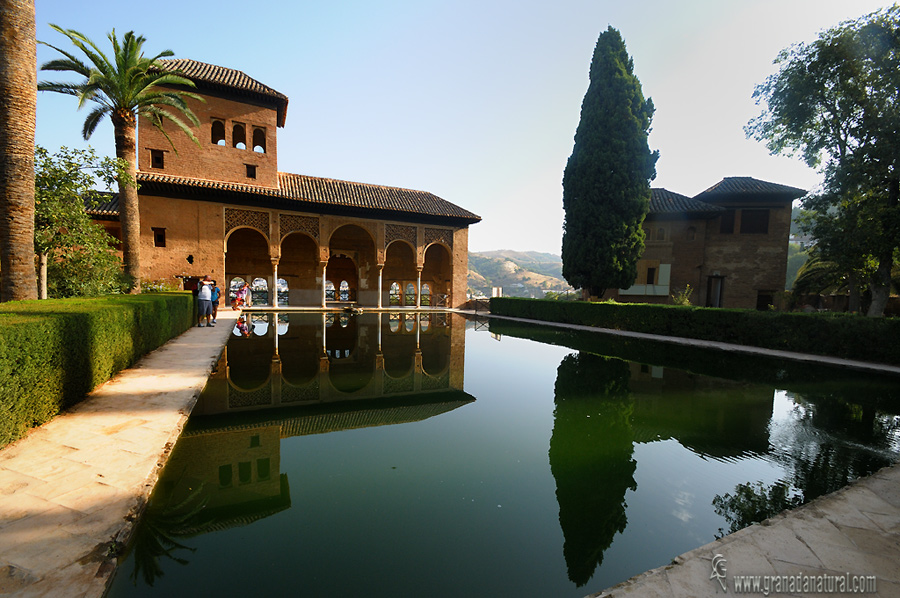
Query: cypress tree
[{"x": 606, "y": 184}]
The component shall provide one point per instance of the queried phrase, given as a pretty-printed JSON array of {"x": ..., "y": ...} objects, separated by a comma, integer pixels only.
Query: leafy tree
[
  {"x": 18, "y": 98},
  {"x": 76, "y": 254},
  {"x": 606, "y": 184},
  {"x": 836, "y": 102},
  {"x": 128, "y": 86}
]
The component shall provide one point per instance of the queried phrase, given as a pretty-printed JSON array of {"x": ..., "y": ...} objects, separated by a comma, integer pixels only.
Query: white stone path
[{"x": 71, "y": 489}]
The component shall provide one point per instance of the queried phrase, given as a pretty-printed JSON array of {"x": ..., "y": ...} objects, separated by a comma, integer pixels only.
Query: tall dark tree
[
  {"x": 123, "y": 87},
  {"x": 836, "y": 102},
  {"x": 18, "y": 97},
  {"x": 606, "y": 185}
]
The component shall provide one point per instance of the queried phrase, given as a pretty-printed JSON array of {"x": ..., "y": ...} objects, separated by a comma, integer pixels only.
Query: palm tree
[
  {"x": 128, "y": 86},
  {"x": 18, "y": 96}
]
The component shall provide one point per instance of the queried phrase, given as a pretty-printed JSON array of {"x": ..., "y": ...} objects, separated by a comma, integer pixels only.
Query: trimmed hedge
[
  {"x": 834, "y": 334},
  {"x": 54, "y": 352}
]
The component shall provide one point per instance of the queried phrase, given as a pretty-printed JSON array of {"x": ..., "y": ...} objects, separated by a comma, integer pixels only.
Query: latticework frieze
[
  {"x": 292, "y": 223},
  {"x": 235, "y": 218},
  {"x": 439, "y": 235},
  {"x": 260, "y": 396},
  {"x": 296, "y": 394},
  {"x": 394, "y": 385},
  {"x": 435, "y": 383},
  {"x": 398, "y": 232}
]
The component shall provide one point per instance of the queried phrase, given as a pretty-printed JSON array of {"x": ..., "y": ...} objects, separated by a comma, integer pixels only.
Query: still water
[{"x": 412, "y": 455}]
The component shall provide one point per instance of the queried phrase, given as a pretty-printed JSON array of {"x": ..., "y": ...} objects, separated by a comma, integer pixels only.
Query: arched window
[
  {"x": 394, "y": 321},
  {"x": 660, "y": 234},
  {"x": 691, "y": 233},
  {"x": 329, "y": 290},
  {"x": 345, "y": 291},
  {"x": 239, "y": 136},
  {"x": 259, "y": 140},
  {"x": 424, "y": 320},
  {"x": 218, "y": 132},
  {"x": 410, "y": 298},
  {"x": 329, "y": 320},
  {"x": 410, "y": 322},
  {"x": 282, "y": 288},
  {"x": 426, "y": 294},
  {"x": 345, "y": 319},
  {"x": 394, "y": 296}
]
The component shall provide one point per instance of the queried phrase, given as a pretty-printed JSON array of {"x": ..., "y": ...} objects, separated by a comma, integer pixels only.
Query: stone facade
[
  {"x": 221, "y": 207},
  {"x": 729, "y": 243}
]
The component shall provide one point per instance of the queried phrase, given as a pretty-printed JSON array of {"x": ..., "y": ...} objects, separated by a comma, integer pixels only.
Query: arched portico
[
  {"x": 437, "y": 273},
  {"x": 247, "y": 256},
  {"x": 352, "y": 259},
  {"x": 298, "y": 265}
]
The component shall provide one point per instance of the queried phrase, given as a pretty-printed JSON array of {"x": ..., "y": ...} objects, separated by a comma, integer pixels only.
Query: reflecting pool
[{"x": 430, "y": 455}]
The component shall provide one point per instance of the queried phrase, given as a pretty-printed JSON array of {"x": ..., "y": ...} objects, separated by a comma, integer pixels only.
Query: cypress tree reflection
[{"x": 591, "y": 457}]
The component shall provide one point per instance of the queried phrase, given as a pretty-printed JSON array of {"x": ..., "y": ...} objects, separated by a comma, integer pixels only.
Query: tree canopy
[
  {"x": 125, "y": 87},
  {"x": 606, "y": 184},
  {"x": 76, "y": 254},
  {"x": 836, "y": 103}
]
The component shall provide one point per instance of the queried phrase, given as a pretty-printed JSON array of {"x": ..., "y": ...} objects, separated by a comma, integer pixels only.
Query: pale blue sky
[{"x": 475, "y": 101}]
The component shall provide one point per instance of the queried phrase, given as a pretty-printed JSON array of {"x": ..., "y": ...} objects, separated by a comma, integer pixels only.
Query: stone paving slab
[
  {"x": 71, "y": 489},
  {"x": 853, "y": 531}
]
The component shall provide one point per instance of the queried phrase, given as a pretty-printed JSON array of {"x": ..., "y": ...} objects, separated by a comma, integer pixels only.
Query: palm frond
[{"x": 93, "y": 119}]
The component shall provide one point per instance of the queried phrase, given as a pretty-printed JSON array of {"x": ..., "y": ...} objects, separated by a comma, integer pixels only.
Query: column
[
  {"x": 274, "y": 287},
  {"x": 418, "y": 288},
  {"x": 380, "y": 285},
  {"x": 324, "y": 268}
]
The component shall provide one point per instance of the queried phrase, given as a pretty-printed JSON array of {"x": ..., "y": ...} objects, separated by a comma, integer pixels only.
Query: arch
[
  {"x": 356, "y": 244},
  {"x": 283, "y": 288},
  {"x": 343, "y": 271},
  {"x": 238, "y": 136},
  {"x": 409, "y": 294},
  {"x": 425, "y": 297},
  {"x": 299, "y": 265},
  {"x": 438, "y": 273},
  {"x": 259, "y": 292},
  {"x": 259, "y": 140},
  {"x": 691, "y": 233},
  {"x": 247, "y": 255},
  {"x": 660, "y": 234},
  {"x": 217, "y": 133}
]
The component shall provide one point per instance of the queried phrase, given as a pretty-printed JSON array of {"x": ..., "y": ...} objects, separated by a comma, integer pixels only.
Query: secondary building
[{"x": 729, "y": 243}]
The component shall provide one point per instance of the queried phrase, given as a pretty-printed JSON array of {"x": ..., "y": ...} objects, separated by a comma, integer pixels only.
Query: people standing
[
  {"x": 204, "y": 301},
  {"x": 215, "y": 292}
]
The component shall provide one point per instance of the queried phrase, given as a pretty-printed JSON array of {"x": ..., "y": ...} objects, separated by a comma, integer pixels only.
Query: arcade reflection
[{"x": 284, "y": 375}]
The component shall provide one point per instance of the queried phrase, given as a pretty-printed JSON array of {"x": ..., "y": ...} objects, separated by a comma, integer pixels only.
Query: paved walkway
[
  {"x": 854, "y": 531},
  {"x": 71, "y": 490}
]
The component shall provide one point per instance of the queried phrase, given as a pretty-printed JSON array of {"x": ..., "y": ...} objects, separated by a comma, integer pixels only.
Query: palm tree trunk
[
  {"x": 124, "y": 125},
  {"x": 18, "y": 98}
]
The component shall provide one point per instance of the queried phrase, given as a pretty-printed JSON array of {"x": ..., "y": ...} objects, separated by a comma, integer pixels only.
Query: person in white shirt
[{"x": 204, "y": 301}]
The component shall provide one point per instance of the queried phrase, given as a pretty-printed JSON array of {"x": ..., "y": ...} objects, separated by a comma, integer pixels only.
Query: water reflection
[
  {"x": 758, "y": 435},
  {"x": 307, "y": 374}
]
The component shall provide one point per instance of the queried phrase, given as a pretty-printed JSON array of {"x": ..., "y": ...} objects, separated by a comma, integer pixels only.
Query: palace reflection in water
[{"x": 283, "y": 377}]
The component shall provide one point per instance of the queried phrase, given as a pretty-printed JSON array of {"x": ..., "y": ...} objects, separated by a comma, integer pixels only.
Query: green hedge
[
  {"x": 834, "y": 334},
  {"x": 54, "y": 352}
]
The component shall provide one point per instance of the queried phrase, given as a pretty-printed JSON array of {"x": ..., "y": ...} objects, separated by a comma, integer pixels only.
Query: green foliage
[
  {"x": 129, "y": 83},
  {"x": 752, "y": 503},
  {"x": 606, "y": 184},
  {"x": 839, "y": 335},
  {"x": 836, "y": 102},
  {"x": 682, "y": 297},
  {"x": 56, "y": 351},
  {"x": 796, "y": 258},
  {"x": 80, "y": 258}
]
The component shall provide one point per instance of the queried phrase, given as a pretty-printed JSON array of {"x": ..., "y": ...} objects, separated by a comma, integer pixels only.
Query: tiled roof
[
  {"x": 103, "y": 206},
  {"x": 324, "y": 195},
  {"x": 663, "y": 201},
  {"x": 210, "y": 75},
  {"x": 737, "y": 186}
]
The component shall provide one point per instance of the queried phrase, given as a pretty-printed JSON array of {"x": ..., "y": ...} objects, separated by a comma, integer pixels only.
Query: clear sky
[{"x": 475, "y": 101}]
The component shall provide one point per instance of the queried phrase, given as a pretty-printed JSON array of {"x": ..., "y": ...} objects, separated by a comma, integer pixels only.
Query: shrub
[
  {"x": 839, "y": 335},
  {"x": 54, "y": 352}
]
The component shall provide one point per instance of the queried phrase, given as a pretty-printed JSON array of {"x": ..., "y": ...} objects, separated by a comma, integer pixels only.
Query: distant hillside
[{"x": 520, "y": 273}]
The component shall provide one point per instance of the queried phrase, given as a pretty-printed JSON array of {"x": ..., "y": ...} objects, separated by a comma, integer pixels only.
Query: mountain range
[{"x": 519, "y": 273}]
